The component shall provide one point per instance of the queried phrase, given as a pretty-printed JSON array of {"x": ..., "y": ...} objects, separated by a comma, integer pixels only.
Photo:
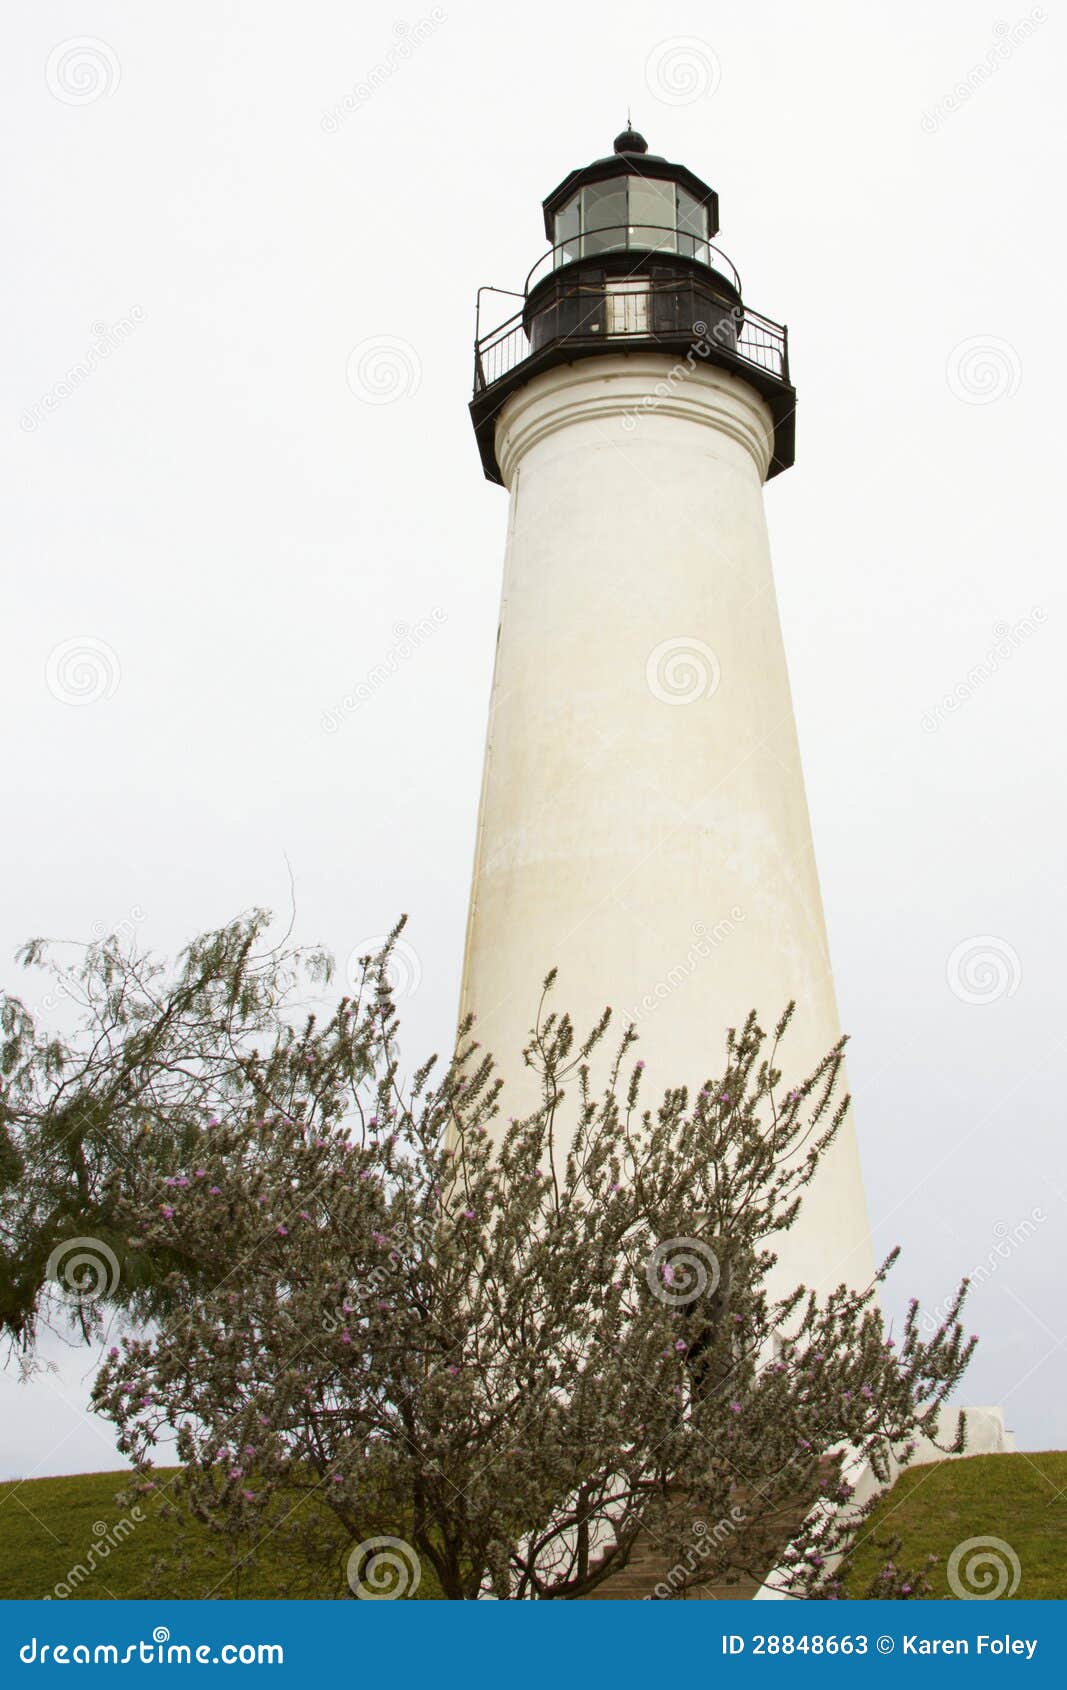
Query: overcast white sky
[{"x": 231, "y": 533}]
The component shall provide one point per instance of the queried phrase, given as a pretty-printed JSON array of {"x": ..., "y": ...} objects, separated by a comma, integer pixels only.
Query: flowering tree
[{"x": 545, "y": 1343}]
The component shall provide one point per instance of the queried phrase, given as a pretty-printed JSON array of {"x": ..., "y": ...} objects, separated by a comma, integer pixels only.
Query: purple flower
[
  {"x": 113, "y": 1353},
  {"x": 249, "y": 1495},
  {"x": 379, "y": 1238},
  {"x": 865, "y": 1391},
  {"x": 282, "y": 1231},
  {"x": 237, "y": 1472},
  {"x": 452, "y": 1370},
  {"x": 336, "y": 1479},
  {"x": 346, "y": 1337},
  {"x": 680, "y": 1344},
  {"x": 468, "y": 1214},
  {"x": 166, "y": 1211},
  {"x": 735, "y": 1408},
  {"x": 201, "y": 1173}
]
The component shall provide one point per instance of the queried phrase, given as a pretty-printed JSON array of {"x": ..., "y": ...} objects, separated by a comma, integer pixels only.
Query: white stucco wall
[{"x": 643, "y": 823}]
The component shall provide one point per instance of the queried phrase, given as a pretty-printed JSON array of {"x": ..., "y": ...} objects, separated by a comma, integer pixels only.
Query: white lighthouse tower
[{"x": 643, "y": 824}]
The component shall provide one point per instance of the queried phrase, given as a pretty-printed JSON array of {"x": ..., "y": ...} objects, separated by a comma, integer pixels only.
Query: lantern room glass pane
[
  {"x": 567, "y": 231},
  {"x": 652, "y": 214},
  {"x": 692, "y": 225},
  {"x": 604, "y": 215}
]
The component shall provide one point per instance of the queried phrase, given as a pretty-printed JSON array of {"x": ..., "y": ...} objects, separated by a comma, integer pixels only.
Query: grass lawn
[
  {"x": 1021, "y": 1499},
  {"x": 49, "y": 1526}
]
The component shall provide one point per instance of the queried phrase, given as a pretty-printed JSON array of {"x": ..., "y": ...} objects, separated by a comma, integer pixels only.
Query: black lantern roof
[{"x": 631, "y": 157}]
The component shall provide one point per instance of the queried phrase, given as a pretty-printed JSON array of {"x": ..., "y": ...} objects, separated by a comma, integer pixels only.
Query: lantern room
[{"x": 632, "y": 199}]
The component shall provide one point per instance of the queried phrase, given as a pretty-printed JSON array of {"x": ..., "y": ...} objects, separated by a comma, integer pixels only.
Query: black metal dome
[{"x": 630, "y": 141}]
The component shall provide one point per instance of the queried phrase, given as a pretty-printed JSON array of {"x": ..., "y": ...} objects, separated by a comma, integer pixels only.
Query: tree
[{"x": 544, "y": 1342}]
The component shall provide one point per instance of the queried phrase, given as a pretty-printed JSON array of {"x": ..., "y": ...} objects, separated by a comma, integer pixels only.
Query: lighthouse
[{"x": 643, "y": 825}]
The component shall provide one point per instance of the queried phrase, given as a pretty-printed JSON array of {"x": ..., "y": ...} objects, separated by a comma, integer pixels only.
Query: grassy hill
[
  {"x": 48, "y": 1527},
  {"x": 1020, "y": 1499},
  {"x": 69, "y": 1537}
]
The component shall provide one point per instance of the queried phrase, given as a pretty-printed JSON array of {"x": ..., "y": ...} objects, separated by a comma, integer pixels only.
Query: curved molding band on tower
[{"x": 637, "y": 389}]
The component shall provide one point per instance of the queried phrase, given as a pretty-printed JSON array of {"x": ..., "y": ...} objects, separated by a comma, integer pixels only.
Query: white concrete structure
[{"x": 643, "y": 821}]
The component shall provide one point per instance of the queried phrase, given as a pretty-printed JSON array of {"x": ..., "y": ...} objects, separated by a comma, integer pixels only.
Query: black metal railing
[
  {"x": 667, "y": 240},
  {"x": 631, "y": 309}
]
